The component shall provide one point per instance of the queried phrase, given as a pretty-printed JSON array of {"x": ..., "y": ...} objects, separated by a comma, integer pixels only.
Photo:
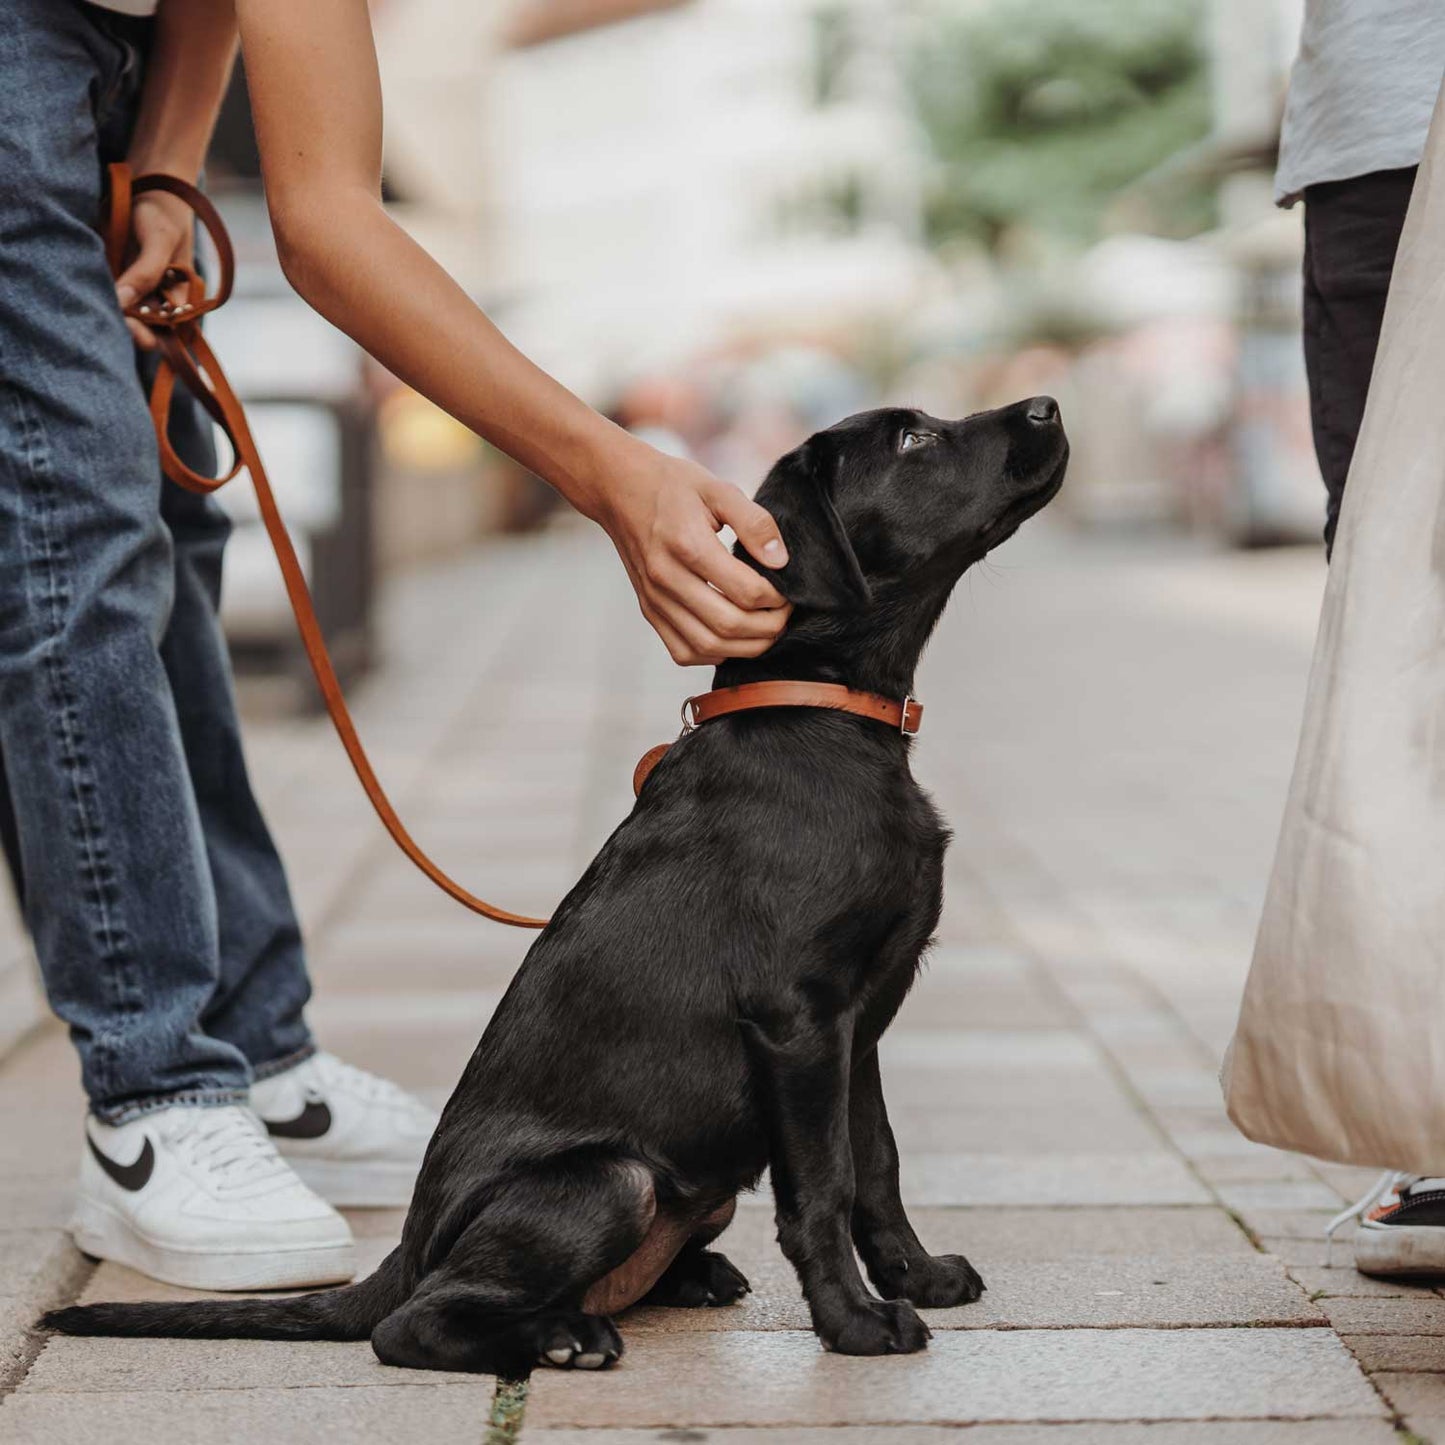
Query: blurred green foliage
[{"x": 1040, "y": 111}]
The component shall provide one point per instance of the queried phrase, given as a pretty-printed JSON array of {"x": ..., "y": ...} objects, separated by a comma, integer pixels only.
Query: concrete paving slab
[
  {"x": 1040, "y": 1234},
  {"x": 418, "y": 1054},
  {"x": 1348, "y": 1283},
  {"x": 942, "y": 999},
  {"x": 1249, "y": 1199},
  {"x": 966, "y": 1377},
  {"x": 104, "y": 1365},
  {"x": 1267, "y": 1168},
  {"x": 1398, "y": 1352},
  {"x": 1039, "y": 1051},
  {"x": 1424, "y": 1316},
  {"x": 1170, "y": 1292},
  {"x": 1212, "y": 1432},
  {"x": 1307, "y": 1225},
  {"x": 962, "y": 1127},
  {"x": 1413, "y": 1393},
  {"x": 1060, "y": 1178},
  {"x": 451, "y": 1414},
  {"x": 1304, "y": 1251}
]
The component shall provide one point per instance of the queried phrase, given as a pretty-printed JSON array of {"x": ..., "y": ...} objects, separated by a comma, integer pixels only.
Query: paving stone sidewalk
[{"x": 1110, "y": 729}]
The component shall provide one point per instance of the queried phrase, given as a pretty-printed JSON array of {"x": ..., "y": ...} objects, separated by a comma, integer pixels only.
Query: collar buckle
[{"x": 910, "y": 718}]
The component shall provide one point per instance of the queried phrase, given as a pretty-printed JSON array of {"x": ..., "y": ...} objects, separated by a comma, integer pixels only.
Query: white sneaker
[
  {"x": 357, "y": 1140},
  {"x": 199, "y": 1197}
]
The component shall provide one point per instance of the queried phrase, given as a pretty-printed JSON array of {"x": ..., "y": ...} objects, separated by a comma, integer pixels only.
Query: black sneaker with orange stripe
[{"x": 1401, "y": 1226}]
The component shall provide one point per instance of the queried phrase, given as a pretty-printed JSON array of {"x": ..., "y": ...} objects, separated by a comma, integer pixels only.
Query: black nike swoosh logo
[
  {"x": 133, "y": 1177},
  {"x": 311, "y": 1123}
]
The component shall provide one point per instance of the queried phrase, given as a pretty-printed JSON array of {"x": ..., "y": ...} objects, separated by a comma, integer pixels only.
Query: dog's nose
[{"x": 1044, "y": 410}]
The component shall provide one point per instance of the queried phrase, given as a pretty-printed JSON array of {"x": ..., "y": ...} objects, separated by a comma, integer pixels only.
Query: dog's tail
[{"x": 349, "y": 1313}]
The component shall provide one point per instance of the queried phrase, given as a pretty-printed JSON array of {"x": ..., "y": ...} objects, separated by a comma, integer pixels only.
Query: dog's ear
[{"x": 822, "y": 571}]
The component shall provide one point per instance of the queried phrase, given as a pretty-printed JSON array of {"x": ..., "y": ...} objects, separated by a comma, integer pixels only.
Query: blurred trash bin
[{"x": 303, "y": 385}]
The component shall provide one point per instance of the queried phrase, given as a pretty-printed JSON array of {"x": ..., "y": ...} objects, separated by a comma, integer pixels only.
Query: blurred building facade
[{"x": 643, "y": 181}]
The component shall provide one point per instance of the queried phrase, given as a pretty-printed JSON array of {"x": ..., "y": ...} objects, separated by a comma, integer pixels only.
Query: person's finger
[
  {"x": 143, "y": 275},
  {"x": 754, "y": 524},
  {"x": 680, "y": 651},
  {"x": 722, "y": 617},
  {"x": 143, "y": 336},
  {"x": 699, "y": 644},
  {"x": 734, "y": 579}
]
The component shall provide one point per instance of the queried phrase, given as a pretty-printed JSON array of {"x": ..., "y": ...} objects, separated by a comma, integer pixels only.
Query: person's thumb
[
  {"x": 144, "y": 274},
  {"x": 754, "y": 525}
]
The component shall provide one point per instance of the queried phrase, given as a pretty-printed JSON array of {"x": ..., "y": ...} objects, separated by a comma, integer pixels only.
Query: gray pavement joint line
[
  {"x": 72, "y": 1273},
  {"x": 1039, "y": 966},
  {"x": 1150, "y": 992},
  {"x": 1397, "y": 1417},
  {"x": 382, "y": 846},
  {"x": 1046, "y": 975}
]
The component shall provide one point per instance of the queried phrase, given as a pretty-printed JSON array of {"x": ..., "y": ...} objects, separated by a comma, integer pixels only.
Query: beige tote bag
[{"x": 1340, "y": 1047}]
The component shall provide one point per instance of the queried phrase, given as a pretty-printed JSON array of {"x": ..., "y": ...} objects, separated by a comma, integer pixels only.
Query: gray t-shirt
[{"x": 1361, "y": 92}]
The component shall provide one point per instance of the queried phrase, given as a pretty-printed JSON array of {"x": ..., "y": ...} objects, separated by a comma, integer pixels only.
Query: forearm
[
  {"x": 358, "y": 268},
  {"x": 187, "y": 72},
  {"x": 316, "y": 103}
]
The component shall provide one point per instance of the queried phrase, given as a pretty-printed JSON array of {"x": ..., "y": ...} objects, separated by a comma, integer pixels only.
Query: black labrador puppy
[{"x": 707, "y": 1001}]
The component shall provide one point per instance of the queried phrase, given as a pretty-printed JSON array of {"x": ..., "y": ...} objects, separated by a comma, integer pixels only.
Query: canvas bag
[{"x": 1340, "y": 1047}]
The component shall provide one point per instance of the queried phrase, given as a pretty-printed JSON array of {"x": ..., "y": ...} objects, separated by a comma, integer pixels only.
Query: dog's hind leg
[
  {"x": 896, "y": 1261},
  {"x": 509, "y": 1293},
  {"x": 700, "y": 1276}
]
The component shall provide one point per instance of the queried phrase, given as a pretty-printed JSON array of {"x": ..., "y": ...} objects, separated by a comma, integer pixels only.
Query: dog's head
[{"x": 894, "y": 502}]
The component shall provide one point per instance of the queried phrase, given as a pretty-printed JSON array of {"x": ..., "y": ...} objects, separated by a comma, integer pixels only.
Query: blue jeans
[{"x": 157, "y": 903}]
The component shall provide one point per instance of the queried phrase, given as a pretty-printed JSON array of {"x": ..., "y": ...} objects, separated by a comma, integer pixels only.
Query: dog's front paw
[
  {"x": 936, "y": 1282},
  {"x": 885, "y": 1327}
]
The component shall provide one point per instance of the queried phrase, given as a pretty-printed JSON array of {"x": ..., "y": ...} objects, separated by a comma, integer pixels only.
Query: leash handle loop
[{"x": 186, "y": 356}]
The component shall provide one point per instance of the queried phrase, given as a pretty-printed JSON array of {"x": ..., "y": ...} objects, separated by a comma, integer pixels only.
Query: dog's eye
[{"x": 911, "y": 439}]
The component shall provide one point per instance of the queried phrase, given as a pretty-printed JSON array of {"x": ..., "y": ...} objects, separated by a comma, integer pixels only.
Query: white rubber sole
[
  {"x": 101, "y": 1232},
  {"x": 1389, "y": 1249},
  {"x": 347, "y": 1185}
]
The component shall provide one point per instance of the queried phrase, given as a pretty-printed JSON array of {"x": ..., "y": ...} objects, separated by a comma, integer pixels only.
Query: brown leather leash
[{"x": 185, "y": 356}]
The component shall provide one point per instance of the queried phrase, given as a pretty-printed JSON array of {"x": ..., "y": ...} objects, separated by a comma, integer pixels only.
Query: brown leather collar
[{"x": 905, "y": 715}]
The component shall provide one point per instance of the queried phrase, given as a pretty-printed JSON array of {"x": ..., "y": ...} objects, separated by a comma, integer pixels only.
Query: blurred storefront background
[{"x": 730, "y": 222}]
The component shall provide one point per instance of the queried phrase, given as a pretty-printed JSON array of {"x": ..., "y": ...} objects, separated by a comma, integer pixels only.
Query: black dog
[{"x": 707, "y": 1001}]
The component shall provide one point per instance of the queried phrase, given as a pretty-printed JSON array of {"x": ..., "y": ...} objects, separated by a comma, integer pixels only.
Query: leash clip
[{"x": 689, "y": 715}]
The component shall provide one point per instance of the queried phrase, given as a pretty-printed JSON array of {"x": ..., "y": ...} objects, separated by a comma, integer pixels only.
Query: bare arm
[{"x": 316, "y": 102}]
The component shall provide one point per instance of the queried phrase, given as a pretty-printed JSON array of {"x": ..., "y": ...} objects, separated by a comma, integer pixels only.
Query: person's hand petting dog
[{"x": 663, "y": 514}]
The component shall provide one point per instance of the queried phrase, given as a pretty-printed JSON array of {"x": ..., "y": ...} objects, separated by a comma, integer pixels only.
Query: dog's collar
[{"x": 905, "y": 715}]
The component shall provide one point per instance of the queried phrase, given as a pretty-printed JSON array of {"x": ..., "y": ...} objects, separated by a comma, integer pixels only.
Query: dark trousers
[{"x": 1352, "y": 230}]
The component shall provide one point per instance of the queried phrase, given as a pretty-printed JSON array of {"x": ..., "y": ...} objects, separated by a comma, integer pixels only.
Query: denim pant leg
[
  {"x": 263, "y": 985},
  {"x": 118, "y": 892}
]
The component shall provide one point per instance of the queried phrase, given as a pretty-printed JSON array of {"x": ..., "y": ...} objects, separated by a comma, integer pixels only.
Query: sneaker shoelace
[
  {"x": 229, "y": 1144},
  {"x": 331, "y": 1072}
]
